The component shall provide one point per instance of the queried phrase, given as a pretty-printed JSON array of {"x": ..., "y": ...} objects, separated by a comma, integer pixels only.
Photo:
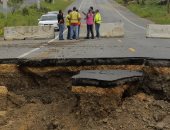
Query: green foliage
[
  {"x": 151, "y": 10},
  {"x": 14, "y": 2},
  {"x": 44, "y": 9},
  {"x": 120, "y": 1},
  {"x": 58, "y": 4},
  {"x": 2, "y": 16},
  {"x": 25, "y": 11},
  {"x": 29, "y": 16},
  {"x": 48, "y": 1}
]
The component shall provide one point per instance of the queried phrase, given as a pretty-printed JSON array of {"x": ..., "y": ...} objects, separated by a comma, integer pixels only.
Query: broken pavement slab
[{"x": 106, "y": 78}]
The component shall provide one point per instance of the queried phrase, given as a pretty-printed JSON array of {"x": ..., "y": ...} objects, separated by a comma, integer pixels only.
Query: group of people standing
[{"x": 73, "y": 23}]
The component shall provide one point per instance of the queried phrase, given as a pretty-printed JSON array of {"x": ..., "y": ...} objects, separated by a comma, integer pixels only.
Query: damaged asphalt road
[
  {"x": 43, "y": 93},
  {"x": 87, "y": 62},
  {"x": 106, "y": 78},
  {"x": 43, "y": 98},
  {"x": 133, "y": 44}
]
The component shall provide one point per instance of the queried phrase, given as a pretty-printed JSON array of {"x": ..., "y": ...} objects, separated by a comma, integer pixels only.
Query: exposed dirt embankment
[{"x": 41, "y": 99}]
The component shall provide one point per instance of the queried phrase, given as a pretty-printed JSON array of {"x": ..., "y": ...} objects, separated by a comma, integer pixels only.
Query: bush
[
  {"x": 2, "y": 16},
  {"x": 25, "y": 11},
  {"x": 44, "y": 9},
  {"x": 48, "y": 1}
]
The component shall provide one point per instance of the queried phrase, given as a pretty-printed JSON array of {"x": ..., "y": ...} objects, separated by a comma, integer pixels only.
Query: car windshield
[{"x": 45, "y": 18}]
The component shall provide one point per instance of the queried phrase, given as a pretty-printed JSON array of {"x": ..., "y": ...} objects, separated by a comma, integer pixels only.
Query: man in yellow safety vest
[
  {"x": 97, "y": 20},
  {"x": 74, "y": 23}
]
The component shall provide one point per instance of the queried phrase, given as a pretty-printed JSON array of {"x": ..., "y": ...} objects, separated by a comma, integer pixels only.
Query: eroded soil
[{"x": 41, "y": 99}]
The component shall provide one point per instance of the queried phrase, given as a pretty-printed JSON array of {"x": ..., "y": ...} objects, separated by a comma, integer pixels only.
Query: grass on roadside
[
  {"x": 20, "y": 18},
  {"x": 151, "y": 10}
]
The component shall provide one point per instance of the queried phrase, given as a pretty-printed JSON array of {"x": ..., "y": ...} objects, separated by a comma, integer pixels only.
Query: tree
[
  {"x": 15, "y": 4},
  {"x": 143, "y": 2},
  {"x": 140, "y": 2},
  {"x": 168, "y": 6},
  {"x": 125, "y": 2},
  {"x": 49, "y": 1}
]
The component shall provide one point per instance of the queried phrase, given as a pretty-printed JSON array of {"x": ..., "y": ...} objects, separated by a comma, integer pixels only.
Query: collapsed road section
[
  {"x": 53, "y": 94},
  {"x": 145, "y": 61},
  {"x": 106, "y": 79}
]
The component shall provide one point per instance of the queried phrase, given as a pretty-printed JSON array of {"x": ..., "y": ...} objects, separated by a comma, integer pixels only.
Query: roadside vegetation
[
  {"x": 29, "y": 15},
  {"x": 154, "y": 10}
]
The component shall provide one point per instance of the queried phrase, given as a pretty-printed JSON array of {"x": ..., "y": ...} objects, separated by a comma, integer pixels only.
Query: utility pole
[
  {"x": 53, "y": 1},
  {"x": 168, "y": 6},
  {"x": 38, "y": 4},
  {"x": 5, "y": 7}
]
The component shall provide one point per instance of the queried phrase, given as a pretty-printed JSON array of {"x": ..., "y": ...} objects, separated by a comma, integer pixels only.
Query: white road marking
[
  {"x": 57, "y": 37},
  {"x": 36, "y": 49},
  {"x": 141, "y": 27},
  {"x": 27, "y": 53},
  {"x": 81, "y": 4}
]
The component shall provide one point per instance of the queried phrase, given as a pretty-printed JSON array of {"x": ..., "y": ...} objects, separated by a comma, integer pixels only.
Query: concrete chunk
[
  {"x": 28, "y": 32},
  {"x": 158, "y": 31},
  {"x": 106, "y": 78}
]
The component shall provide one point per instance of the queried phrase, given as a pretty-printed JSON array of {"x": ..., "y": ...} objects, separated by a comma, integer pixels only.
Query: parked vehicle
[{"x": 49, "y": 19}]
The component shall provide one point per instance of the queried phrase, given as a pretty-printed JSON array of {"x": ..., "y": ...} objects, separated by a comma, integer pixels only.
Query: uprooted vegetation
[{"x": 41, "y": 99}]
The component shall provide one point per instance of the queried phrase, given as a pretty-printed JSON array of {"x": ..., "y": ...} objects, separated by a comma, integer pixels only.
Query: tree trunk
[
  {"x": 168, "y": 6},
  {"x": 143, "y": 2},
  {"x": 137, "y": 1},
  {"x": 125, "y": 2}
]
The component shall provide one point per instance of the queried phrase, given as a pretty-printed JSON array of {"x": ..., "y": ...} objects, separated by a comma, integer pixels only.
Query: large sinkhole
[{"x": 58, "y": 98}]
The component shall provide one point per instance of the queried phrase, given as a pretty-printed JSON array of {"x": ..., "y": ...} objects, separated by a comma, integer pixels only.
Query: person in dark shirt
[{"x": 60, "y": 18}]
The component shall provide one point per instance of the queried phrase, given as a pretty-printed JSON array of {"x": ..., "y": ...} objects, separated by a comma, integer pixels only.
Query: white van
[{"x": 49, "y": 19}]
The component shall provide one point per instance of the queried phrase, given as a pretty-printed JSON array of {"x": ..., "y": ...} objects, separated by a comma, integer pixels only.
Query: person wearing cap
[
  {"x": 97, "y": 21},
  {"x": 68, "y": 24},
  {"x": 74, "y": 22}
]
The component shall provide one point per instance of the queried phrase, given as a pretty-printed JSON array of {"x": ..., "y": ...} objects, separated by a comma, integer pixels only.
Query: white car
[{"x": 49, "y": 19}]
